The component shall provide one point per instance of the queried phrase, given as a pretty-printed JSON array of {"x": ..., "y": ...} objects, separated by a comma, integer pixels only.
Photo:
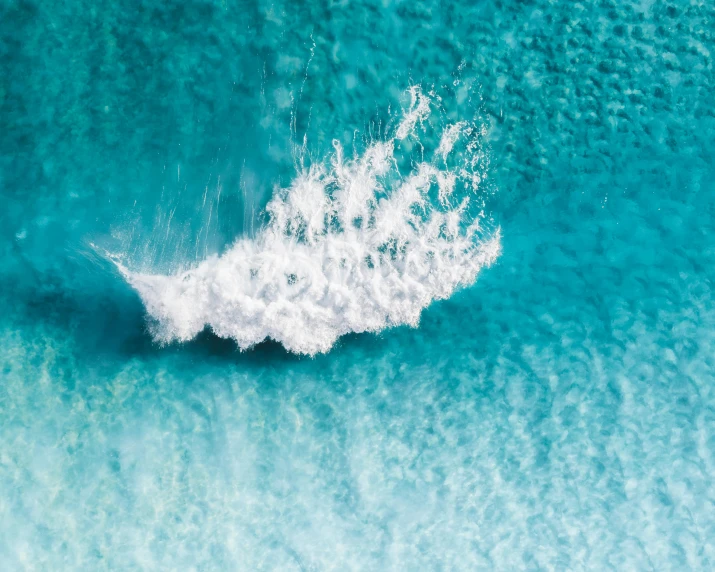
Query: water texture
[{"x": 551, "y": 407}]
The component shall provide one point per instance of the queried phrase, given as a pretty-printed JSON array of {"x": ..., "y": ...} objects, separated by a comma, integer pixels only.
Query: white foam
[
  {"x": 449, "y": 138},
  {"x": 350, "y": 246}
]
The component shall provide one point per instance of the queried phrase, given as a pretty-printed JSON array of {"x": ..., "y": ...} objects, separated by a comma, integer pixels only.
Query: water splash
[{"x": 352, "y": 245}]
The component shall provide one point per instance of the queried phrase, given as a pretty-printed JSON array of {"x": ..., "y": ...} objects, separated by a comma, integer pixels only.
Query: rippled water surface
[{"x": 542, "y": 401}]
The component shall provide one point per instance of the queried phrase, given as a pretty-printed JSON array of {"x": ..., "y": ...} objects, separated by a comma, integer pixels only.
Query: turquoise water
[{"x": 556, "y": 411}]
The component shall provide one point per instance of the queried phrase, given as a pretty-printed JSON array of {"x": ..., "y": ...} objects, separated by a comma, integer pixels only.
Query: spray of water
[{"x": 352, "y": 245}]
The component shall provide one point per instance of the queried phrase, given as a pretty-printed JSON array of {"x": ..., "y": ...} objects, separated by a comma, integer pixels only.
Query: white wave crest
[{"x": 352, "y": 246}]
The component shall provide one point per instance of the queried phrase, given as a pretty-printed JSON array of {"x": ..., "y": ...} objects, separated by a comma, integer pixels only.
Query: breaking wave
[{"x": 352, "y": 245}]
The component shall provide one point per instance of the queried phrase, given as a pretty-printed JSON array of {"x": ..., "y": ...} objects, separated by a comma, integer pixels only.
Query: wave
[{"x": 352, "y": 245}]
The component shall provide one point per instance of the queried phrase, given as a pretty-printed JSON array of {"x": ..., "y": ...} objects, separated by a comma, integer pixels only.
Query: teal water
[{"x": 559, "y": 413}]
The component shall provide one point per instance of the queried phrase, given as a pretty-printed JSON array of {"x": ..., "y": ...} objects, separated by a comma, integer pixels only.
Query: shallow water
[{"x": 559, "y": 413}]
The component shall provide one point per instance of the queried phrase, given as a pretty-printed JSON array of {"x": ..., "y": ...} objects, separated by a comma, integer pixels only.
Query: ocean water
[{"x": 357, "y": 285}]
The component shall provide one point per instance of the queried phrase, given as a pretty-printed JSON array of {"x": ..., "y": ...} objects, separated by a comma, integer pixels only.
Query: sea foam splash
[{"x": 351, "y": 246}]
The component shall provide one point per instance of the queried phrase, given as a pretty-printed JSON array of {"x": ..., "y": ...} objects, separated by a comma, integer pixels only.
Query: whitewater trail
[{"x": 350, "y": 246}]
